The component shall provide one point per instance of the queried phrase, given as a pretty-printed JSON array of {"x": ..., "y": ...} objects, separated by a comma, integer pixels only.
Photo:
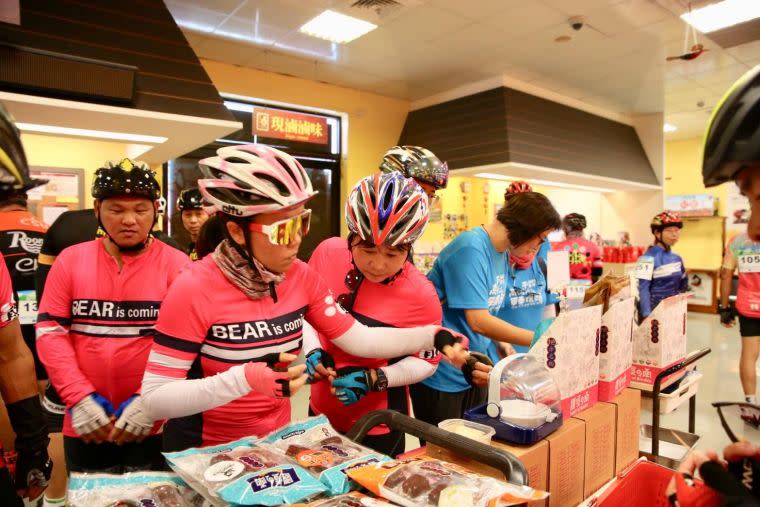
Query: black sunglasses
[
  {"x": 750, "y": 415},
  {"x": 352, "y": 282}
]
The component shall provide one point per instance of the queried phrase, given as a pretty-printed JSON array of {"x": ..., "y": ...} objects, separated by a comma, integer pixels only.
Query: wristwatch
[{"x": 381, "y": 384}]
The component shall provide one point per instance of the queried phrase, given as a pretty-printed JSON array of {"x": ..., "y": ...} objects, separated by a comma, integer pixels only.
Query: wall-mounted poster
[
  {"x": 737, "y": 210},
  {"x": 703, "y": 285},
  {"x": 64, "y": 191}
]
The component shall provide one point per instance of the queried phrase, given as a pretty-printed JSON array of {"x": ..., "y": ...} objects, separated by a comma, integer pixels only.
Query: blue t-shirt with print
[
  {"x": 544, "y": 249},
  {"x": 525, "y": 301},
  {"x": 469, "y": 274}
]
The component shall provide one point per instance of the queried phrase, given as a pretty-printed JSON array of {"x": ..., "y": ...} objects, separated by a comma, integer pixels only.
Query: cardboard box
[
  {"x": 600, "y": 446},
  {"x": 570, "y": 349},
  {"x": 567, "y": 463},
  {"x": 616, "y": 349},
  {"x": 660, "y": 341},
  {"x": 535, "y": 458},
  {"x": 627, "y": 423}
]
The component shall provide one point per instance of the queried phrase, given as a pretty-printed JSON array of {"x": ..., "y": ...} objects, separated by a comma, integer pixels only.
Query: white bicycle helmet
[
  {"x": 249, "y": 179},
  {"x": 387, "y": 208}
]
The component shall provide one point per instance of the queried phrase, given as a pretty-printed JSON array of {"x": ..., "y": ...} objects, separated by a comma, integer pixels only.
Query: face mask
[{"x": 523, "y": 261}]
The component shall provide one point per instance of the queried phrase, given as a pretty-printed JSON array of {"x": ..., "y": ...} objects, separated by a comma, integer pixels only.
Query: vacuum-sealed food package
[
  {"x": 242, "y": 472},
  {"x": 320, "y": 449},
  {"x": 433, "y": 483},
  {"x": 352, "y": 499},
  {"x": 134, "y": 489}
]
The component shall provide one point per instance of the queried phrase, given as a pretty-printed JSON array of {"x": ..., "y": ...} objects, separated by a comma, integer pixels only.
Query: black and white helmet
[{"x": 418, "y": 163}]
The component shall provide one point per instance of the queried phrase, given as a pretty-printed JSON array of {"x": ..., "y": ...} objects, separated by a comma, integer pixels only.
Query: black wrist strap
[{"x": 29, "y": 425}]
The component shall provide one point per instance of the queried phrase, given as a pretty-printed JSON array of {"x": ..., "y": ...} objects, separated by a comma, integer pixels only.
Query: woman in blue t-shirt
[{"x": 474, "y": 277}]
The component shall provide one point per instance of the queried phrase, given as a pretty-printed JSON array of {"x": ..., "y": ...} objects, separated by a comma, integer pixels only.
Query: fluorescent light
[
  {"x": 546, "y": 183},
  {"x": 669, "y": 127},
  {"x": 722, "y": 14},
  {"x": 336, "y": 27},
  {"x": 100, "y": 134}
]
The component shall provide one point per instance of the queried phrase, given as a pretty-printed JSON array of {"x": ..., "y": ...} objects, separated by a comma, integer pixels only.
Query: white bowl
[{"x": 525, "y": 413}]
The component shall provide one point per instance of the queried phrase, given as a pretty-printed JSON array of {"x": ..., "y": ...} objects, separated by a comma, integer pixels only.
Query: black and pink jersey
[
  {"x": 95, "y": 323},
  {"x": 207, "y": 325},
  {"x": 409, "y": 300}
]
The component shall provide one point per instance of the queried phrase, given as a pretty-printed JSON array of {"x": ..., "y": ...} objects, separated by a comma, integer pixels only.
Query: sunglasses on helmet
[{"x": 283, "y": 232}]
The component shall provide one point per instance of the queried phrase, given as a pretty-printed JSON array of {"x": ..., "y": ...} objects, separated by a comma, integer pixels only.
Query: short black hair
[
  {"x": 17, "y": 198},
  {"x": 212, "y": 233},
  {"x": 527, "y": 215}
]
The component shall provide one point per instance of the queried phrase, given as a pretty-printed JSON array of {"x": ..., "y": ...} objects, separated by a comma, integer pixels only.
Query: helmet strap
[{"x": 658, "y": 240}]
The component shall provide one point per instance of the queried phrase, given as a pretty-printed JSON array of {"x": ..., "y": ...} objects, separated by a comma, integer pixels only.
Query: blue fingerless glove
[
  {"x": 352, "y": 384},
  {"x": 314, "y": 358}
]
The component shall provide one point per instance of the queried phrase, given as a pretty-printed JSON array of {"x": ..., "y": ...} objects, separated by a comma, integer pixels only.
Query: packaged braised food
[
  {"x": 352, "y": 499},
  {"x": 433, "y": 483},
  {"x": 315, "y": 445},
  {"x": 243, "y": 472},
  {"x": 132, "y": 489}
]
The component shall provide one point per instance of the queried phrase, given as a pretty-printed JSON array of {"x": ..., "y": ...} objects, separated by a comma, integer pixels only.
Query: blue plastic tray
[{"x": 510, "y": 432}]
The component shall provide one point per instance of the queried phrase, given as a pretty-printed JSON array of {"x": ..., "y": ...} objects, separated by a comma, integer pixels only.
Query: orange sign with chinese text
[{"x": 288, "y": 125}]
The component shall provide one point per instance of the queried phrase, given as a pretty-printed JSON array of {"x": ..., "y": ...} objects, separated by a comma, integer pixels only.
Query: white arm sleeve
[
  {"x": 167, "y": 398},
  {"x": 409, "y": 370},
  {"x": 385, "y": 342},
  {"x": 310, "y": 338}
]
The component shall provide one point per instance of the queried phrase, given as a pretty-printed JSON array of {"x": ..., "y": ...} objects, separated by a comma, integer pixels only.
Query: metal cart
[{"x": 655, "y": 432}]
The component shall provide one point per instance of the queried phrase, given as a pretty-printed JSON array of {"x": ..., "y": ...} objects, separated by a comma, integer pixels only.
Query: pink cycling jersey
[
  {"x": 409, "y": 301},
  {"x": 95, "y": 323},
  {"x": 584, "y": 256},
  {"x": 207, "y": 326},
  {"x": 7, "y": 304},
  {"x": 744, "y": 254}
]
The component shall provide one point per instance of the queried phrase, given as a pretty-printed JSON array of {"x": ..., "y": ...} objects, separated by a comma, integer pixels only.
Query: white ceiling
[{"x": 426, "y": 47}]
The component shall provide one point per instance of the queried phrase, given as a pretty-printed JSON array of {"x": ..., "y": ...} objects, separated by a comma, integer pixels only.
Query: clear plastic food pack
[
  {"x": 135, "y": 489},
  {"x": 244, "y": 473},
  {"x": 320, "y": 449},
  {"x": 433, "y": 483}
]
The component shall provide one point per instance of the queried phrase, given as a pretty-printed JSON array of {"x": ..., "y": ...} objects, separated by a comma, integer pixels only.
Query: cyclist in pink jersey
[
  {"x": 378, "y": 285},
  {"x": 95, "y": 324},
  {"x": 743, "y": 254},
  {"x": 585, "y": 258},
  {"x": 232, "y": 322},
  {"x": 18, "y": 384}
]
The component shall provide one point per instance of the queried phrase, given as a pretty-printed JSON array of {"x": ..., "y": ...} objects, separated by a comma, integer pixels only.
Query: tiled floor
[{"x": 720, "y": 383}]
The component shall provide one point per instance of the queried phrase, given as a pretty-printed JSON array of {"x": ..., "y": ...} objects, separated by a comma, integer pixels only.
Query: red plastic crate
[{"x": 643, "y": 483}]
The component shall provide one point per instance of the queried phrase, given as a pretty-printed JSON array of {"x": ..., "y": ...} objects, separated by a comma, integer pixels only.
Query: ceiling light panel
[
  {"x": 722, "y": 14},
  {"x": 336, "y": 27}
]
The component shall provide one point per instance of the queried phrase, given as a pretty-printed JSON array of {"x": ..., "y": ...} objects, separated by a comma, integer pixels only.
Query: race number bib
[
  {"x": 575, "y": 291},
  {"x": 27, "y": 307},
  {"x": 645, "y": 268},
  {"x": 749, "y": 263}
]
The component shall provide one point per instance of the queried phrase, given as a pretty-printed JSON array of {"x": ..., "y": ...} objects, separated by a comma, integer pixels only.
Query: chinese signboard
[
  {"x": 700, "y": 205},
  {"x": 288, "y": 125}
]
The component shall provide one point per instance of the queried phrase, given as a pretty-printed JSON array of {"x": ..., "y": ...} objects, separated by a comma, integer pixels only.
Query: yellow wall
[
  {"x": 700, "y": 244},
  {"x": 76, "y": 153},
  {"x": 70, "y": 152},
  {"x": 374, "y": 121},
  {"x": 683, "y": 171}
]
